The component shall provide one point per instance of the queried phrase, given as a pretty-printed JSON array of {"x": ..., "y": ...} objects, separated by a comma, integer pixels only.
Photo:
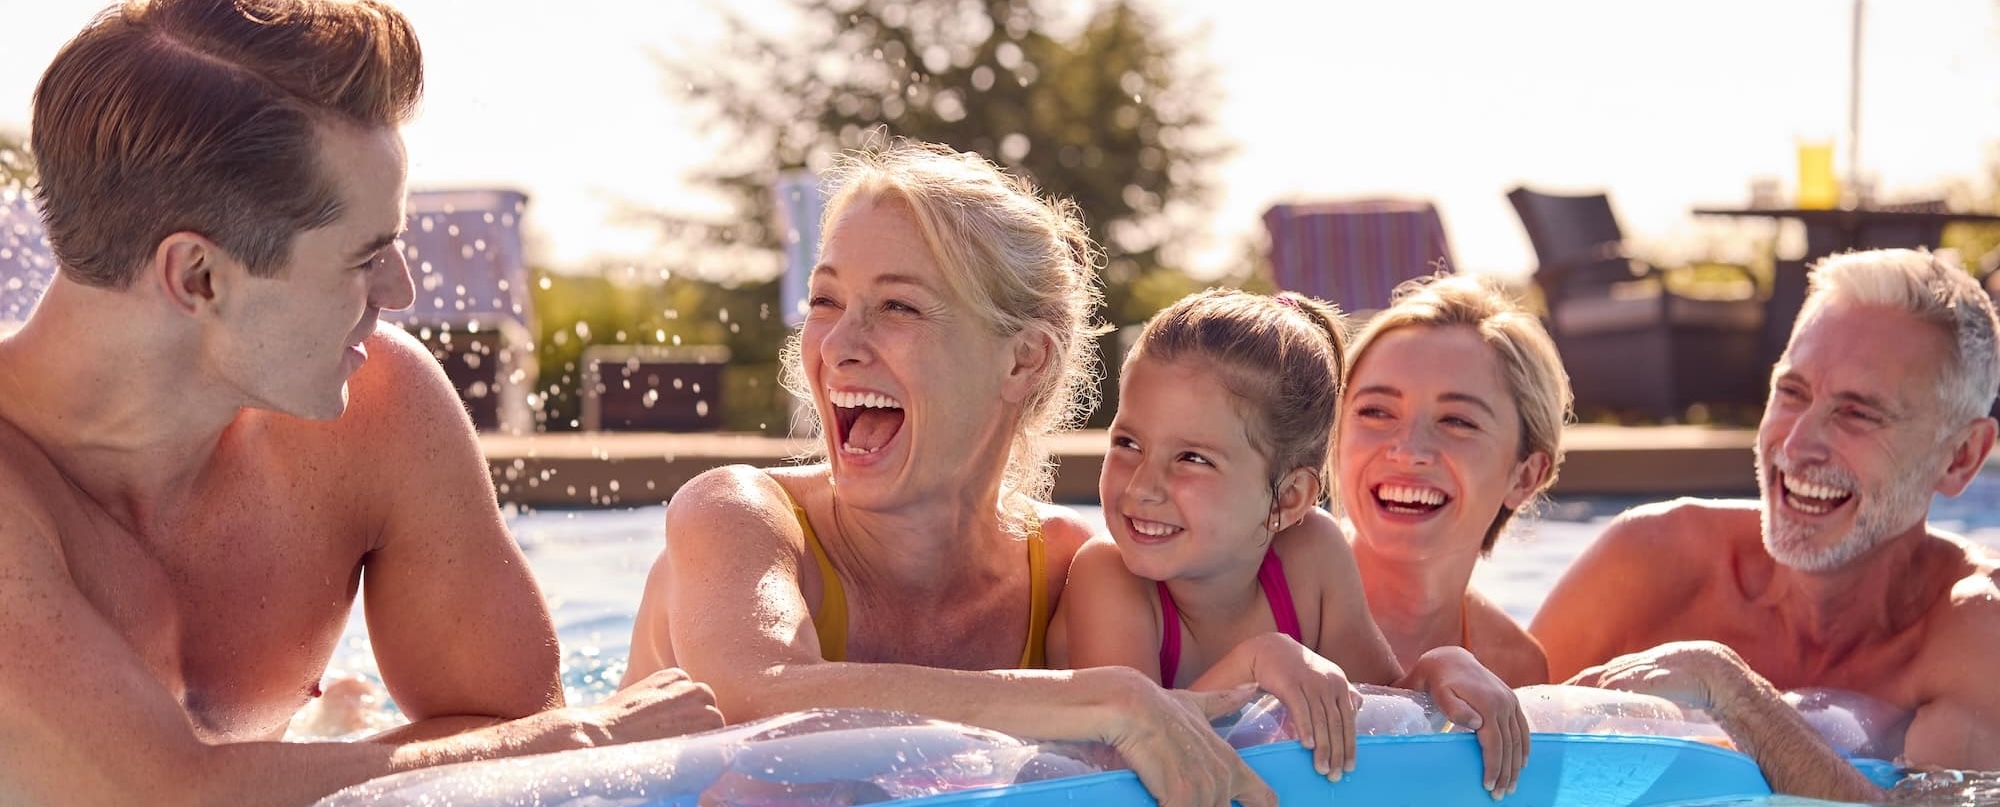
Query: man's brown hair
[{"x": 165, "y": 116}]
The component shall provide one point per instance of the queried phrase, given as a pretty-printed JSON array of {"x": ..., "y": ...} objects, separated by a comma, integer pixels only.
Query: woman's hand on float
[
  {"x": 1687, "y": 673},
  {"x": 1165, "y": 737},
  {"x": 1319, "y": 700},
  {"x": 1472, "y": 696}
]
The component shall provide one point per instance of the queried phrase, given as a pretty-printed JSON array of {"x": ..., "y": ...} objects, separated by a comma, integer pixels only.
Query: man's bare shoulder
[
  {"x": 1685, "y": 526},
  {"x": 31, "y": 488},
  {"x": 1967, "y": 619},
  {"x": 28, "y": 490},
  {"x": 401, "y": 387}
]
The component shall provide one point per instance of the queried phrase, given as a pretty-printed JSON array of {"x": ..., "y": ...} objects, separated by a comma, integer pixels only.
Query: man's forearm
[
  {"x": 1791, "y": 753},
  {"x": 301, "y": 773}
]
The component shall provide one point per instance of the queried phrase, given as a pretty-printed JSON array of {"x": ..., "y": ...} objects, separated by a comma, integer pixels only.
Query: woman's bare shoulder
[
  {"x": 1065, "y": 529},
  {"x": 1504, "y": 645},
  {"x": 735, "y": 500}
]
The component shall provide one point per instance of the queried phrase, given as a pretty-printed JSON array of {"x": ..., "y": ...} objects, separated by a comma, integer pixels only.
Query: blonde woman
[
  {"x": 1451, "y": 422},
  {"x": 917, "y": 566}
]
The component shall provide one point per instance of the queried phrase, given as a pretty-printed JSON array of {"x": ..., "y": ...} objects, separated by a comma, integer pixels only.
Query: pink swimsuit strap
[{"x": 1270, "y": 576}]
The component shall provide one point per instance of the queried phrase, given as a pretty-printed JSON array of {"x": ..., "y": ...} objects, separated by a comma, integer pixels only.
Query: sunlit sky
[{"x": 1664, "y": 105}]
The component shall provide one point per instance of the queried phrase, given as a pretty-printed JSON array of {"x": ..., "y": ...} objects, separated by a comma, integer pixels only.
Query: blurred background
[{"x": 620, "y": 264}]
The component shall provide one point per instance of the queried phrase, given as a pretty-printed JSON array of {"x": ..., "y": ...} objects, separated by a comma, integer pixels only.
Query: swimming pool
[{"x": 592, "y": 567}]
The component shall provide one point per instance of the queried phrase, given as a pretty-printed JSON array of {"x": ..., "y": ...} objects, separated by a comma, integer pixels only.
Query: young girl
[{"x": 1221, "y": 570}]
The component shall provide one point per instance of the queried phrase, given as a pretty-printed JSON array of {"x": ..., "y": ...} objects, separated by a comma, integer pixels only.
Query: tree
[
  {"x": 622, "y": 306},
  {"x": 17, "y": 167},
  {"x": 1110, "y": 115}
]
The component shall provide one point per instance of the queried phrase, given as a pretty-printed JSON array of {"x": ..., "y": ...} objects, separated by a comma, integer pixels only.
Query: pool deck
[{"x": 607, "y": 469}]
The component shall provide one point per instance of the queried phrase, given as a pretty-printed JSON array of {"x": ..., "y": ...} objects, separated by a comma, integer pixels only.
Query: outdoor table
[{"x": 1832, "y": 231}]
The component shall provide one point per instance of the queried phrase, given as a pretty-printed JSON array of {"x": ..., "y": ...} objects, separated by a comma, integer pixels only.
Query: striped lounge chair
[{"x": 1355, "y": 253}]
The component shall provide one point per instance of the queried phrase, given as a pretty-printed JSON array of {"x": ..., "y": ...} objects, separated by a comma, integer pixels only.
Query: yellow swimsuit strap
[
  {"x": 830, "y": 624},
  {"x": 1034, "y": 656}
]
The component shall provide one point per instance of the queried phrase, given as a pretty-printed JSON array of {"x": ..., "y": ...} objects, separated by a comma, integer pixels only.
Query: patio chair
[
  {"x": 1354, "y": 253},
  {"x": 1630, "y": 343},
  {"x": 472, "y": 306}
]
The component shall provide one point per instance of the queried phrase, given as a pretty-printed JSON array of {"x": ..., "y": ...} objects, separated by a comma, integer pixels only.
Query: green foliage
[
  {"x": 619, "y": 307},
  {"x": 17, "y": 166},
  {"x": 1111, "y": 115}
]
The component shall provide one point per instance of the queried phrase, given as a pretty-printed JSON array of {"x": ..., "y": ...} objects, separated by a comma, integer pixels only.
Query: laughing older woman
[{"x": 916, "y": 567}]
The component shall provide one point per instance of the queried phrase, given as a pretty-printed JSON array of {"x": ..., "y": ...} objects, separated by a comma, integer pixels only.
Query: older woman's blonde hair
[
  {"x": 1018, "y": 262},
  {"x": 1528, "y": 359}
]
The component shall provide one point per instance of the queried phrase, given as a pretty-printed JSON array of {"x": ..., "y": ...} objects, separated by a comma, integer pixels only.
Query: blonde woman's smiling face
[
  {"x": 906, "y": 381},
  {"x": 1429, "y": 443}
]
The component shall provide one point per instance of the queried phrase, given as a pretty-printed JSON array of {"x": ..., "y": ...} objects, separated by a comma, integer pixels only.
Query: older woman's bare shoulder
[
  {"x": 736, "y": 498},
  {"x": 1065, "y": 529}
]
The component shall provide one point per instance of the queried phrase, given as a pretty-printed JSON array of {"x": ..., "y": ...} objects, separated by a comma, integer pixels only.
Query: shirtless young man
[
  {"x": 207, "y": 445},
  {"x": 1834, "y": 579}
]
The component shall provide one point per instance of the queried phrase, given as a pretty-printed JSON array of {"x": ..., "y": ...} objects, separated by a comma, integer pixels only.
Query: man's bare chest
[{"x": 235, "y": 613}]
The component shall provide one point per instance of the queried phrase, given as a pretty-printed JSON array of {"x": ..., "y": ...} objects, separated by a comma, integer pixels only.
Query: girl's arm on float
[
  {"x": 1319, "y": 701},
  {"x": 1108, "y": 616},
  {"x": 1708, "y": 675},
  {"x": 740, "y": 624},
  {"x": 1316, "y": 550}
]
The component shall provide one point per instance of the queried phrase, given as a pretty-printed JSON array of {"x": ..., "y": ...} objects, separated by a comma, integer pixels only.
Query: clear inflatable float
[{"x": 1591, "y": 748}]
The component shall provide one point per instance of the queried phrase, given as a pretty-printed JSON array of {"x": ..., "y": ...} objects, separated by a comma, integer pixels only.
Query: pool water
[{"x": 592, "y": 567}]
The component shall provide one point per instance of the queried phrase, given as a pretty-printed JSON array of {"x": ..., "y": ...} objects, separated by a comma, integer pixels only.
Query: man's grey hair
[{"x": 1934, "y": 291}]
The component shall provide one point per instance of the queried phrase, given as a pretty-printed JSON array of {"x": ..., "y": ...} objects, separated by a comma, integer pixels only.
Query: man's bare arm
[
  {"x": 1709, "y": 676},
  {"x": 84, "y": 721},
  {"x": 1959, "y": 726},
  {"x": 458, "y": 627}
]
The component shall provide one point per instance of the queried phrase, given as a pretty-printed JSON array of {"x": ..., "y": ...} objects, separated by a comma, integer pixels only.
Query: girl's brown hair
[{"x": 1281, "y": 356}]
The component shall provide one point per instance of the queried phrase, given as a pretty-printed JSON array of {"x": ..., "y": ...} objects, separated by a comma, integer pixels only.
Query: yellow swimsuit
[{"x": 831, "y": 623}]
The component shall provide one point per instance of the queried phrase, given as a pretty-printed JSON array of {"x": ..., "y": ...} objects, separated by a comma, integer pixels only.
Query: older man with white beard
[{"x": 1833, "y": 580}]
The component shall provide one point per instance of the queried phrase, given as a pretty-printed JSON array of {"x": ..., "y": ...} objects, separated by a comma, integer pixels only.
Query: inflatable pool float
[{"x": 1591, "y": 748}]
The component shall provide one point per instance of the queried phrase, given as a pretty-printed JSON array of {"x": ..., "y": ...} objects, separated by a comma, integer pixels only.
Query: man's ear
[
  {"x": 186, "y": 266},
  {"x": 1967, "y": 456},
  {"x": 1032, "y": 352}
]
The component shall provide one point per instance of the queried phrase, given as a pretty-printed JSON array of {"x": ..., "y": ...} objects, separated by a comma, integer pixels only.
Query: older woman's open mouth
[{"x": 866, "y": 421}]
